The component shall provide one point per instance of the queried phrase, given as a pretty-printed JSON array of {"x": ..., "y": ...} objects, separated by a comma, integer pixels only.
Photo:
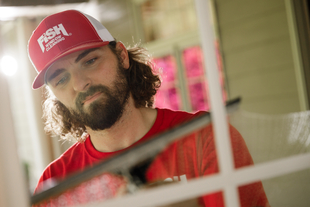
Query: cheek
[
  {"x": 104, "y": 74},
  {"x": 66, "y": 98}
]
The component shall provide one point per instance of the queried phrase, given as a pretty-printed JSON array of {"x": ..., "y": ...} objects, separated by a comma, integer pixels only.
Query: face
[{"x": 92, "y": 85}]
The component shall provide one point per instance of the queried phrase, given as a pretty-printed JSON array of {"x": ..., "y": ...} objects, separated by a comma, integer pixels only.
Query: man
[{"x": 101, "y": 94}]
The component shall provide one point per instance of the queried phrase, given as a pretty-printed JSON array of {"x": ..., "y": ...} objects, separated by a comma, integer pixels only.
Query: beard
[{"x": 105, "y": 111}]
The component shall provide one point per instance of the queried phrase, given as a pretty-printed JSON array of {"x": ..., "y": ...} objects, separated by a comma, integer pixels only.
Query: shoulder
[
  {"x": 60, "y": 167},
  {"x": 177, "y": 117}
]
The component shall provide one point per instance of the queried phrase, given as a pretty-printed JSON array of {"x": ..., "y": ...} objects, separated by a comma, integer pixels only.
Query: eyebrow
[
  {"x": 84, "y": 53},
  {"x": 55, "y": 74}
]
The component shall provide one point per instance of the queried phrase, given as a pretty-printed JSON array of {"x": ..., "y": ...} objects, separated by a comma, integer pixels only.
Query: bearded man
[{"x": 101, "y": 94}]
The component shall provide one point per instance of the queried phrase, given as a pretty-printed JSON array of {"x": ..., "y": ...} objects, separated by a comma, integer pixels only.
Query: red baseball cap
[{"x": 61, "y": 34}]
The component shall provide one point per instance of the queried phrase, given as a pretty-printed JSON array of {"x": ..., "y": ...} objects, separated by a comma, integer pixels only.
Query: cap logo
[{"x": 51, "y": 37}]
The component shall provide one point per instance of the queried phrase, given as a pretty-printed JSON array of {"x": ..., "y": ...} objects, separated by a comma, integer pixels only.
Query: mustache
[{"x": 91, "y": 91}]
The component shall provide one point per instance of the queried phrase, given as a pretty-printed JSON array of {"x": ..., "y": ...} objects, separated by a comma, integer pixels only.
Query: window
[{"x": 168, "y": 96}]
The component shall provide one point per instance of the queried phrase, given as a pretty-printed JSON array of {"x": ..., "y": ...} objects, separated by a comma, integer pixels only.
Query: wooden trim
[{"x": 301, "y": 8}]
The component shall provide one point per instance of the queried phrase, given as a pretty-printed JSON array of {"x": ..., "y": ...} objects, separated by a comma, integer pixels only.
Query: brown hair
[{"x": 143, "y": 83}]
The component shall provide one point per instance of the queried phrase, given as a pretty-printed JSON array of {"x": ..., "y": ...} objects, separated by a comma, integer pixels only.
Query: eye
[
  {"x": 62, "y": 80},
  {"x": 91, "y": 61}
]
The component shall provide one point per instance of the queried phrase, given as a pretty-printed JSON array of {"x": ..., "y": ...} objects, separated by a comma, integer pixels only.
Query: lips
[{"x": 92, "y": 98}]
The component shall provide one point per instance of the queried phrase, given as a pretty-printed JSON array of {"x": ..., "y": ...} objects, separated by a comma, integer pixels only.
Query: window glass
[
  {"x": 272, "y": 137},
  {"x": 192, "y": 58},
  {"x": 193, "y": 64},
  {"x": 289, "y": 190}
]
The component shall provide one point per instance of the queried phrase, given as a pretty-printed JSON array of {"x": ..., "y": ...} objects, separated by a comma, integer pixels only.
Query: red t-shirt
[{"x": 190, "y": 157}]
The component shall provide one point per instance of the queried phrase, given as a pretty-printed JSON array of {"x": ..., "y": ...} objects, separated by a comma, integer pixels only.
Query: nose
[{"x": 81, "y": 82}]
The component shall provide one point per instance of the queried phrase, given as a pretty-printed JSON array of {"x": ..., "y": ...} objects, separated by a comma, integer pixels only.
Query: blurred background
[{"x": 262, "y": 51}]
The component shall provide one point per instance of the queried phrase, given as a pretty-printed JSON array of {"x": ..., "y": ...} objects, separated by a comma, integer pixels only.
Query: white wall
[{"x": 257, "y": 55}]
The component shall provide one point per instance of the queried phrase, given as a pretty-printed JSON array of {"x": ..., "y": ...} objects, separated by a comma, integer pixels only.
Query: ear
[{"x": 124, "y": 54}]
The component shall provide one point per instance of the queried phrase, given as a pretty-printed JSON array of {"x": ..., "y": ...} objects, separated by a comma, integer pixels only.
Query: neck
[{"x": 132, "y": 126}]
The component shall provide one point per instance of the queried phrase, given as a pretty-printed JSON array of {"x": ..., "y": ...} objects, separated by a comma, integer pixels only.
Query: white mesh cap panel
[{"x": 101, "y": 30}]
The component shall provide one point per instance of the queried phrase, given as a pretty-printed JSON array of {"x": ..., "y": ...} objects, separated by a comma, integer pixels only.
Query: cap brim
[{"x": 39, "y": 79}]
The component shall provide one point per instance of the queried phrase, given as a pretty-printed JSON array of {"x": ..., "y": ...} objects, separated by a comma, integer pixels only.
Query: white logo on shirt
[{"x": 181, "y": 178}]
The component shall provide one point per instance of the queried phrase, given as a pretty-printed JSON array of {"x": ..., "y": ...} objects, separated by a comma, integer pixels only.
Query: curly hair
[{"x": 141, "y": 78}]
